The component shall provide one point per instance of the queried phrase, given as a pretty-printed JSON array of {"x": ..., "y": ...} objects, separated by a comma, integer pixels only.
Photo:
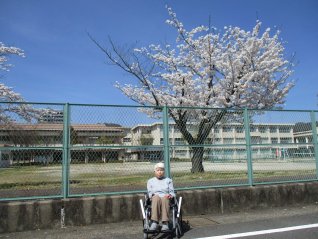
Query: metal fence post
[
  {"x": 66, "y": 150},
  {"x": 248, "y": 148},
  {"x": 314, "y": 137},
  {"x": 166, "y": 147}
]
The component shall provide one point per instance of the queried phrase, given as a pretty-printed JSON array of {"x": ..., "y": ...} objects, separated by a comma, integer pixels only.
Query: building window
[
  {"x": 180, "y": 153},
  {"x": 301, "y": 140},
  {"x": 179, "y": 141},
  {"x": 176, "y": 129},
  {"x": 286, "y": 140},
  {"x": 217, "y": 140},
  {"x": 228, "y": 140},
  {"x": 239, "y": 129},
  {"x": 227, "y": 129},
  {"x": 208, "y": 141},
  {"x": 262, "y": 129},
  {"x": 264, "y": 140},
  {"x": 241, "y": 151},
  {"x": 255, "y": 139},
  {"x": 273, "y": 129},
  {"x": 161, "y": 141},
  {"x": 253, "y": 128},
  {"x": 284, "y": 129},
  {"x": 228, "y": 152},
  {"x": 274, "y": 140},
  {"x": 240, "y": 140}
]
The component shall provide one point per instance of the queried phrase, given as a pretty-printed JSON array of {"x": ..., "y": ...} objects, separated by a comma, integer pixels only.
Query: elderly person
[{"x": 160, "y": 190}]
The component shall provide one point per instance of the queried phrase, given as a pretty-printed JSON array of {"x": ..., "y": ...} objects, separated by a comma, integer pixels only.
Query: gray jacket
[{"x": 160, "y": 187}]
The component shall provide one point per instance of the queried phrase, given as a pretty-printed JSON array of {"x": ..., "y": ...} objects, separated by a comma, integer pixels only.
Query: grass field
[{"x": 136, "y": 175}]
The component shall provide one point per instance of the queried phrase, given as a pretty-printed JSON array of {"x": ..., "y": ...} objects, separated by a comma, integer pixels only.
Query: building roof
[{"x": 59, "y": 127}]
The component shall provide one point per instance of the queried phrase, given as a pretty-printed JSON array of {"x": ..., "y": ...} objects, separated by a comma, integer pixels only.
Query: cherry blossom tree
[
  {"x": 9, "y": 111},
  {"x": 209, "y": 68}
]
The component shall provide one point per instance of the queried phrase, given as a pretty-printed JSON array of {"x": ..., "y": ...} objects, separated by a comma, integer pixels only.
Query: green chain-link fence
[{"x": 68, "y": 150}]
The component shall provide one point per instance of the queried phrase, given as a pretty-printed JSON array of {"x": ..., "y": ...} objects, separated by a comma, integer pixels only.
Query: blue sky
[{"x": 63, "y": 65}]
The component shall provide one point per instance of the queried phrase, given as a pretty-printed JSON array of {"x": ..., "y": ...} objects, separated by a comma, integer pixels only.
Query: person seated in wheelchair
[{"x": 160, "y": 191}]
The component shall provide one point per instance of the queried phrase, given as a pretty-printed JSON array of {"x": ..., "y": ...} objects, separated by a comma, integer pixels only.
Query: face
[{"x": 159, "y": 172}]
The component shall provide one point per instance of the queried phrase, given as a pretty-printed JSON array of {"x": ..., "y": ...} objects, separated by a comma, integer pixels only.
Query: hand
[{"x": 168, "y": 196}]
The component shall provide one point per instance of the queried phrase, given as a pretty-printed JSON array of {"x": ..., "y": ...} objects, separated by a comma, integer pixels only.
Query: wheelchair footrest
[
  {"x": 157, "y": 231},
  {"x": 166, "y": 231},
  {"x": 151, "y": 231}
]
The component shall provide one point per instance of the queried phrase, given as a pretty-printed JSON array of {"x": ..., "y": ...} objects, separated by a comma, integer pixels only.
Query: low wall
[{"x": 32, "y": 215}]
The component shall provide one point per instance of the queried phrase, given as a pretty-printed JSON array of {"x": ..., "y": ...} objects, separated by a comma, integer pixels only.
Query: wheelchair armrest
[
  {"x": 173, "y": 202},
  {"x": 147, "y": 200}
]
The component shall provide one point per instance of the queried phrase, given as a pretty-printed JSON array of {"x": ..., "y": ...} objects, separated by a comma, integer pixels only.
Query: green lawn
[{"x": 50, "y": 177}]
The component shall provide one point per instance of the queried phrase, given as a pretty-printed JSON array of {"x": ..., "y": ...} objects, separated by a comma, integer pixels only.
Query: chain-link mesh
[
  {"x": 30, "y": 150},
  {"x": 208, "y": 147},
  {"x": 223, "y": 165},
  {"x": 113, "y": 149},
  {"x": 281, "y": 146},
  {"x": 30, "y": 173}
]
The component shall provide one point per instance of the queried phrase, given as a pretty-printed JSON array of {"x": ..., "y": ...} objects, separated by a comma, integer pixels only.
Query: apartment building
[
  {"x": 105, "y": 142},
  {"x": 43, "y": 142},
  {"x": 224, "y": 141}
]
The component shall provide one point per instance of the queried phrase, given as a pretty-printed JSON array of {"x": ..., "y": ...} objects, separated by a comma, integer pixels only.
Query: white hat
[{"x": 159, "y": 165}]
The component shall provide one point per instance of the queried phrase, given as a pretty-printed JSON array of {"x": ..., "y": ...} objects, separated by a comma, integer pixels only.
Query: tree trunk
[
  {"x": 205, "y": 127},
  {"x": 197, "y": 160}
]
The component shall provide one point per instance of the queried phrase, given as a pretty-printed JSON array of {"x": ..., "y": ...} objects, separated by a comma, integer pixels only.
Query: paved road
[
  {"x": 200, "y": 226},
  {"x": 283, "y": 227}
]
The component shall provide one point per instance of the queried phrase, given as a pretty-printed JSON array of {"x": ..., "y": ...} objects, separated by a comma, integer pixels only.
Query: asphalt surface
[{"x": 203, "y": 226}]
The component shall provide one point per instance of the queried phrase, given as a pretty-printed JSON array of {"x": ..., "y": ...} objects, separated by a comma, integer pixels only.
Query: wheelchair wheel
[
  {"x": 177, "y": 232},
  {"x": 179, "y": 229},
  {"x": 144, "y": 226}
]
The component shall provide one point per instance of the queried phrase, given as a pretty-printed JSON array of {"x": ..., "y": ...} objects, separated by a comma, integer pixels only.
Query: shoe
[
  {"x": 146, "y": 226},
  {"x": 154, "y": 226},
  {"x": 165, "y": 227}
]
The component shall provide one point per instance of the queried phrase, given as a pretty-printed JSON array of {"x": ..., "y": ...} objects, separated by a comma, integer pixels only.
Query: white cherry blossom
[{"x": 227, "y": 69}]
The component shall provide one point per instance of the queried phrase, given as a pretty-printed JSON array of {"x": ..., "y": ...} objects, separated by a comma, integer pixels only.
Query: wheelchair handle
[
  {"x": 142, "y": 209},
  {"x": 179, "y": 206}
]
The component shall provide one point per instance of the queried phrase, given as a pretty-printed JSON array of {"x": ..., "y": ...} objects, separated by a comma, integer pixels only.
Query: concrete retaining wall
[{"x": 32, "y": 215}]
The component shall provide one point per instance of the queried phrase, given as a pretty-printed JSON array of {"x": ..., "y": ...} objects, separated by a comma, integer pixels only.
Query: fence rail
[{"x": 59, "y": 150}]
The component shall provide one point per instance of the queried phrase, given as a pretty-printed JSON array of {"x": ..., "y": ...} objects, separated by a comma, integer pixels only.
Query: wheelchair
[{"x": 175, "y": 223}]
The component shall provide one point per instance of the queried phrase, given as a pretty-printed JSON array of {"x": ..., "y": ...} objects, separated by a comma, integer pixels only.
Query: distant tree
[
  {"x": 230, "y": 69},
  {"x": 74, "y": 139},
  {"x": 24, "y": 138},
  {"x": 146, "y": 140},
  {"x": 5, "y": 51},
  {"x": 105, "y": 140},
  {"x": 11, "y": 112},
  {"x": 8, "y": 111}
]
